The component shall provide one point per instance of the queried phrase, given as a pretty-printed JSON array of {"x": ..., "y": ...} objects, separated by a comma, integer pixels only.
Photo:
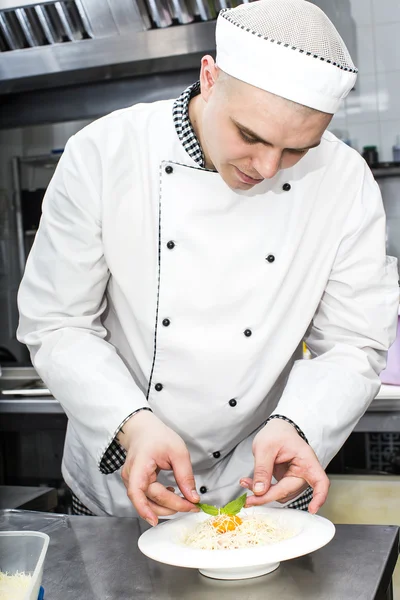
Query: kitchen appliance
[{"x": 391, "y": 375}]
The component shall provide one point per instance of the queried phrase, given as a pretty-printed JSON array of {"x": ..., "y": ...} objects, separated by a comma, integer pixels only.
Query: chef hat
[{"x": 287, "y": 47}]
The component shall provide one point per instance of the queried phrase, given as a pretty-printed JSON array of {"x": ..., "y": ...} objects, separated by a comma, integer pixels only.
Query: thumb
[
  {"x": 264, "y": 460},
  {"x": 183, "y": 473}
]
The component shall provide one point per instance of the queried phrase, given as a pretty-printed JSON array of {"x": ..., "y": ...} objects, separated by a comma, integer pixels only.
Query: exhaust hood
[
  {"x": 69, "y": 59},
  {"x": 47, "y": 22},
  {"x": 50, "y": 43}
]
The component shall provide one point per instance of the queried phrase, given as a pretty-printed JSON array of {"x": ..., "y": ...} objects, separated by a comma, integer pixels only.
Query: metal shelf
[
  {"x": 381, "y": 172},
  {"x": 44, "y": 161},
  {"x": 47, "y": 161}
]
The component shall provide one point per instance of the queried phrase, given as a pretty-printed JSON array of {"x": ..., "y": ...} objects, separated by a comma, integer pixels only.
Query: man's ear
[{"x": 208, "y": 76}]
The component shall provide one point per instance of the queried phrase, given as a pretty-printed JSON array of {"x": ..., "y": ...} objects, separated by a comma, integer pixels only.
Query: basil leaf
[
  {"x": 234, "y": 507},
  {"x": 210, "y": 510}
]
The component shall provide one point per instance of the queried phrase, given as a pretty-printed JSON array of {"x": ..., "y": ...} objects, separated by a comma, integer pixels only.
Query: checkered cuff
[
  {"x": 297, "y": 428},
  {"x": 304, "y": 500},
  {"x": 115, "y": 455}
]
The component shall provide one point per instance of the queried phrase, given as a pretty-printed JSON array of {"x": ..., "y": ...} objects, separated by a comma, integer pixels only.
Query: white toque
[{"x": 287, "y": 47}]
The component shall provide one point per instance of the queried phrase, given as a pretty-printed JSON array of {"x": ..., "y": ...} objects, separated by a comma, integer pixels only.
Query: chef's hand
[
  {"x": 279, "y": 451},
  {"x": 152, "y": 446}
]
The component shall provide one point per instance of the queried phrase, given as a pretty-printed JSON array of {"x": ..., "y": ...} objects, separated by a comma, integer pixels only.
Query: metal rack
[
  {"x": 381, "y": 172},
  {"x": 44, "y": 161}
]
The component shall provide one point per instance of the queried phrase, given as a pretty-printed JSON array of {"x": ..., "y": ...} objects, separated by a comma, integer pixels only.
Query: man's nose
[{"x": 268, "y": 162}]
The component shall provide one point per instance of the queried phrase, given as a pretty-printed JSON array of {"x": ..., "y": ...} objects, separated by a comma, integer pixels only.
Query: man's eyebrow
[{"x": 257, "y": 138}]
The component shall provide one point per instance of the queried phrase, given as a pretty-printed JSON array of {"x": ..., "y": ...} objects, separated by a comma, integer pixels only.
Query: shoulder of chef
[{"x": 128, "y": 125}]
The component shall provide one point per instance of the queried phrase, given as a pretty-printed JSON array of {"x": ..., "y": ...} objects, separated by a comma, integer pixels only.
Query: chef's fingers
[
  {"x": 183, "y": 473},
  {"x": 246, "y": 482},
  {"x": 290, "y": 487},
  {"x": 160, "y": 496},
  {"x": 125, "y": 475},
  {"x": 285, "y": 490},
  {"x": 320, "y": 484},
  {"x": 141, "y": 476},
  {"x": 264, "y": 459},
  {"x": 310, "y": 469},
  {"x": 161, "y": 511}
]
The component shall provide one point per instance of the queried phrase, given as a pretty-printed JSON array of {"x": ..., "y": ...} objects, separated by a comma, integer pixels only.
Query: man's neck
[{"x": 196, "y": 106}]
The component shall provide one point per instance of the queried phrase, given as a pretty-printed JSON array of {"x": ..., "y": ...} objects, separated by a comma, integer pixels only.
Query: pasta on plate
[{"x": 227, "y": 532}]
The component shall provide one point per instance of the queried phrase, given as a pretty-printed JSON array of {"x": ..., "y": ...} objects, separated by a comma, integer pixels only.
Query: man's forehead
[
  {"x": 310, "y": 139},
  {"x": 253, "y": 97}
]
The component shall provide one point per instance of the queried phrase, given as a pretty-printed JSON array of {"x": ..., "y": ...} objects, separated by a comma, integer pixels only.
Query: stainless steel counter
[
  {"x": 14, "y": 377},
  {"x": 96, "y": 558},
  {"x": 30, "y": 405}
]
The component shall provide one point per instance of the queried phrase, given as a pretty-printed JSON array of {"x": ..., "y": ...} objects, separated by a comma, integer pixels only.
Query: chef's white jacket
[{"x": 102, "y": 276}]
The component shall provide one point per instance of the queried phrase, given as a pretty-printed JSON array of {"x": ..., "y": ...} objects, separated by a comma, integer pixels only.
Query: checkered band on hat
[{"x": 289, "y": 48}]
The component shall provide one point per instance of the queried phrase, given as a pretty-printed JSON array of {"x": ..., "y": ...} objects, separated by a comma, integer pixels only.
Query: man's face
[{"x": 249, "y": 134}]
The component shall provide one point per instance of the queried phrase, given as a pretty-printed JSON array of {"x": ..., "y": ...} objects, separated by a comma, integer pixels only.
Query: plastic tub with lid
[{"x": 24, "y": 552}]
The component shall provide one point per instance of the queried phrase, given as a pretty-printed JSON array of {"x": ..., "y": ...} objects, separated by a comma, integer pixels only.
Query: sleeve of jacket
[
  {"x": 352, "y": 329},
  {"x": 62, "y": 298}
]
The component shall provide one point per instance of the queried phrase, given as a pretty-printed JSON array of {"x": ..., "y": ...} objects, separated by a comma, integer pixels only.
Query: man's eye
[
  {"x": 297, "y": 151},
  {"x": 247, "y": 139}
]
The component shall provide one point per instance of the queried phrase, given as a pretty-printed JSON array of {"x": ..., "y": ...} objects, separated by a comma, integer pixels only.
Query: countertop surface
[
  {"x": 36, "y": 401},
  {"x": 27, "y": 497},
  {"x": 387, "y": 392},
  {"x": 97, "y": 558}
]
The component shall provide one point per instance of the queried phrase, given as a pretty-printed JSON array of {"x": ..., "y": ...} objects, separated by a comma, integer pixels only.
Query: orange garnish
[{"x": 225, "y": 523}]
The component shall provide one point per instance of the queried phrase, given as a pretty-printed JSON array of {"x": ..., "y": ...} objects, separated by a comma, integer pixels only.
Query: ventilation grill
[
  {"x": 164, "y": 13},
  {"x": 42, "y": 25},
  {"x": 68, "y": 21}
]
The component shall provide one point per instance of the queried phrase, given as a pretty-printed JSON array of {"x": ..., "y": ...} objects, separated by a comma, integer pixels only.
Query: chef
[{"x": 186, "y": 250}]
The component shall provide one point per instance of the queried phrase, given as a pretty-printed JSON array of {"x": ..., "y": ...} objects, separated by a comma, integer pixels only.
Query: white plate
[{"x": 310, "y": 532}]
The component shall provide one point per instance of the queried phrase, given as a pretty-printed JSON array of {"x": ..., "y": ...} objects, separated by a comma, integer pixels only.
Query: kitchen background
[
  {"x": 32, "y": 429},
  {"x": 370, "y": 116}
]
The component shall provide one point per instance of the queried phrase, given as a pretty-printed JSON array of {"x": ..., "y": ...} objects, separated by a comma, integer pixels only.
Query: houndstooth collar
[{"x": 183, "y": 126}]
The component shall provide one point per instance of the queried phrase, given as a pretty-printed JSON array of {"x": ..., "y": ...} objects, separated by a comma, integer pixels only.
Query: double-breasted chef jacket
[{"x": 152, "y": 284}]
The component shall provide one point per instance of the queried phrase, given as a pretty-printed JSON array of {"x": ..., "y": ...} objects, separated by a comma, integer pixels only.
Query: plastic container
[
  {"x": 391, "y": 375},
  {"x": 396, "y": 150},
  {"x": 24, "y": 551}
]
